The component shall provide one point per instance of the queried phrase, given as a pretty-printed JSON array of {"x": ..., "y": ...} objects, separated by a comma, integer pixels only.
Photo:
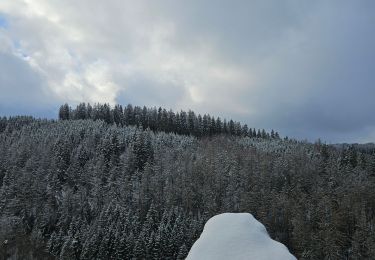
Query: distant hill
[
  {"x": 97, "y": 188},
  {"x": 365, "y": 148}
]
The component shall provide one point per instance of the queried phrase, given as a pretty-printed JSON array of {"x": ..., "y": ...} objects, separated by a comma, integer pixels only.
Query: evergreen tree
[
  {"x": 81, "y": 111},
  {"x": 64, "y": 112},
  {"x": 182, "y": 253}
]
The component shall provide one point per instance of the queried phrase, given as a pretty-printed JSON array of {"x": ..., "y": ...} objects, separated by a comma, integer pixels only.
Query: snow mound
[{"x": 237, "y": 236}]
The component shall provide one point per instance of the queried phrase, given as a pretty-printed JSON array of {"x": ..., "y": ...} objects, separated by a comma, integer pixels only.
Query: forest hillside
[{"x": 120, "y": 183}]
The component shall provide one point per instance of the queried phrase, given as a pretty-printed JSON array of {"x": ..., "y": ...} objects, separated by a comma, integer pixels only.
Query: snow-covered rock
[{"x": 237, "y": 236}]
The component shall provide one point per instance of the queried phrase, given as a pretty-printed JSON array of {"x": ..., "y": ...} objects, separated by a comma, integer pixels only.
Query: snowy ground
[{"x": 237, "y": 236}]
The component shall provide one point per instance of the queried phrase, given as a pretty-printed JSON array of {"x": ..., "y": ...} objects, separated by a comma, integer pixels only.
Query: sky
[{"x": 303, "y": 68}]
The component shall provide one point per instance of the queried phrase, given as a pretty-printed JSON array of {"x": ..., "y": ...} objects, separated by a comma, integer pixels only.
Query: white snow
[{"x": 237, "y": 236}]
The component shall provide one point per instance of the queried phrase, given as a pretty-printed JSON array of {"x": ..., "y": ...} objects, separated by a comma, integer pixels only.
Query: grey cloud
[
  {"x": 313, "y": 61},
  {"x": 22, "y": 89},
  {"x": 144, "y": 90},
  {"x": 303, "y": 68}
]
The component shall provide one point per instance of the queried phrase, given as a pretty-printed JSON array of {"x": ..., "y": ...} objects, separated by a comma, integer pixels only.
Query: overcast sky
[{"x": 304, "y": 68}]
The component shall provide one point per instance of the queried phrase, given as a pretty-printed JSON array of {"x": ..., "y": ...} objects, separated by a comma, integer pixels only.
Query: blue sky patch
[{"x": 3, "y": 22}]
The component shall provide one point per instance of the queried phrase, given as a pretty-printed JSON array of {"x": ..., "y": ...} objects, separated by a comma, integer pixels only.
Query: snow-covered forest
[{"x": 141, "y": 183}]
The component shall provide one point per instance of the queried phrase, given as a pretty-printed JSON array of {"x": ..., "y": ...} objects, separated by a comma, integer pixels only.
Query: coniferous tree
[
  {"x": 81, "y": 111},
  {"x": 182, "y": 253},
  {"x": 64, "y": 112}
]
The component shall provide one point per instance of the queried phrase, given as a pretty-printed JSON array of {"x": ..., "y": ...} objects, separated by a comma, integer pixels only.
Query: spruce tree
[{"x": 64, "y": 112}]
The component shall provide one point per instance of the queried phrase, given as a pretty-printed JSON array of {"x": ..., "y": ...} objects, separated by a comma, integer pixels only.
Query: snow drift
[{"x": 237, "y": 236}]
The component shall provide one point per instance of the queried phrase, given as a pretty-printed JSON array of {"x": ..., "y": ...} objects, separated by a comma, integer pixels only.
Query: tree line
[{"x": 159, "y": 119}]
